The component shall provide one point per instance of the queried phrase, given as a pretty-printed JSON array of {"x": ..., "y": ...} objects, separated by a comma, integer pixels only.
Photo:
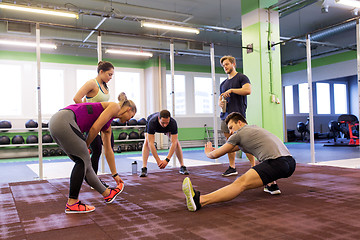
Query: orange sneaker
[
  {"x": 79, "y": 208},
  {"x": 113, "y": 193}
]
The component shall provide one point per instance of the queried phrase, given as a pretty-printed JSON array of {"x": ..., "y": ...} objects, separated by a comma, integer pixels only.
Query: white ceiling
[{"x": 297, "y": 17}]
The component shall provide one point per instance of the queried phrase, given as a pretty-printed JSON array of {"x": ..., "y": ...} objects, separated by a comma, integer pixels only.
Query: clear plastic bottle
[
  {"x": 134, "y": 167},
  {"x": 223, "y": 109}
]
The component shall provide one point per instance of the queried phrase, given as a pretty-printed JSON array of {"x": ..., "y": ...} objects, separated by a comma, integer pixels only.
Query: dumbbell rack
[
  {"x": 21, "y": 150},
  {"x": 127, "y": 141},
  {"x": 28, "y": 149}
]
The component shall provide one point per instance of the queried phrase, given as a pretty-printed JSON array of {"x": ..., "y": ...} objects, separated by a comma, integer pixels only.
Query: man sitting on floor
[{"x": 275, "y": 162}]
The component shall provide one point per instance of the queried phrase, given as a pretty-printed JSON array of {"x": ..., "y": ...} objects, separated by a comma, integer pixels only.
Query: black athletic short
[{"x": 273, "y": 169}]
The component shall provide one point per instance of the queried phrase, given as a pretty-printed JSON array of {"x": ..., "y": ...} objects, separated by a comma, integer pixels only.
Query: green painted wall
[
  {"x": 67, "y": 59},
  {"x": 186, "y": 134},
  {"x": 264, "y": 71},
  {"x": 154, "y": 62},
  {"x": 250, "y": 5},
  {"x": 79, "y": 60}
]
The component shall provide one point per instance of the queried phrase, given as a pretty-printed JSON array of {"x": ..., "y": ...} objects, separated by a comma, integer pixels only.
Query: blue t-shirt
[
  {"x": 154, "y": 126},
  {"x": 235, "y": 103}
]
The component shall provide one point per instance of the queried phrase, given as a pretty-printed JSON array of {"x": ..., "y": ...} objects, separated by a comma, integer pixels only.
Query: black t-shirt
[
  {"x": 154, "y": 126},
  {"x": 235, "y": 103}
]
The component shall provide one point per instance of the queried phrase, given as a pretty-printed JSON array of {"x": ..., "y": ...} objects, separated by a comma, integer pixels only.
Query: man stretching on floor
[
  {"x": 275, "y": 162},
  {"x": 161, "y": 122}
]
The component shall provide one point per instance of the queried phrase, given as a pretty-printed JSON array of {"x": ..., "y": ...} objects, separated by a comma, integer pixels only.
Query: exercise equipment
[
  {"x": 129, "y": 148},
  {"x": 132, "y": 122},
  {"x": 118, "y": 150},
  {"x": 52, "y": 152},
  {"x": 303, "y": 130},
  {"x": 291, "y": 137},
  {"x": 45, "y": 124},
  {"x": 17, "y": 139},
  {"x": 115, "y": 122},
  {"x": 5, "y": 124},
  {"x": 141, "y": 121},
  {"x": 60, "y": 152},
  {"x": 134, "y": 135},
  {"x": 31, "y": 124},
  {"x": 334, "y": 129},
  {"x": 121, "y": 123},
  {"x": 46, "y": 138},
  {"x": 122, "y": 136},
  {"x": 4, "y": 140},
  {"x": 345, "y": 131},
  {"x": 140, "y": 146},
  {"x": 32, "y": 139},
  {"x": 142, "y": 135},
  {"x": 45, "y": 153},
  {"x": 352, "y": 123},
  {"x": 122, "y": 147}
]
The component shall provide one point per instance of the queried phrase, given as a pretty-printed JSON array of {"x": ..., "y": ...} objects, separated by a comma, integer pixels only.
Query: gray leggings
[{"x": 67, "y": 135}]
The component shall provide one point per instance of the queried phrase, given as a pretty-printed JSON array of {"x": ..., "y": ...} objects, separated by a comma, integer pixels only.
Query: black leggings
[{"x": 96, "y": 148}]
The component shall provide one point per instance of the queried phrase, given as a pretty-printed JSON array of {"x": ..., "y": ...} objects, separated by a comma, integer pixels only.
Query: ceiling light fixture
[
  {"x": 129, "y": 52},
  {"x": 38, "y": 10},
  {"x": 26, "y": 44},
  {"x": 351, "y": 3},
  {"x": 169, "y": 27}
]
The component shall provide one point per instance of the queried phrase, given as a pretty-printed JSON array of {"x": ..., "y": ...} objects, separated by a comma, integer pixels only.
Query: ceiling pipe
[
  {"x": 96, "y": 27},
  {"x": 330, "y": 32}
]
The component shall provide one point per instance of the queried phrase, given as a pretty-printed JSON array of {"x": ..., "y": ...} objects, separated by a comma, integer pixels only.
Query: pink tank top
[{"x": 86, "y": 114}]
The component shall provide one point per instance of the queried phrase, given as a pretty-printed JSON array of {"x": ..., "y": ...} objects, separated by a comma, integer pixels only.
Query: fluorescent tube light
[
  {"x": 351, "y": 3},
  {"x": 129, "y": 52},
  {"x": 38, "y": 10},
  {"x": 26, "y": 44},
  {"x": 170, "y": 27}
]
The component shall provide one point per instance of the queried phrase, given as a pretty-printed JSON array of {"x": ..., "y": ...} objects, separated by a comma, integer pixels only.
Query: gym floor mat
[{"x": 317, "y": 202}]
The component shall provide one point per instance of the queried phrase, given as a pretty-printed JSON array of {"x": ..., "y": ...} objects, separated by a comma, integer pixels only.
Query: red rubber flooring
[{"x": 316, "y": 203}]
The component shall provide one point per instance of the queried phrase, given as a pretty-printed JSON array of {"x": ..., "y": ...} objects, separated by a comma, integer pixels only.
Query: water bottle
[
  {"x": 134, "y": 167},
  {"x": 223, "y": 109}
]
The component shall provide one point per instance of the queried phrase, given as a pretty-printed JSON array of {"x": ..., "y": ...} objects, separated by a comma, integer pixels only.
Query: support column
[
  {"x": 260, "y": 28},
  {"x": 38, "y": 56}
]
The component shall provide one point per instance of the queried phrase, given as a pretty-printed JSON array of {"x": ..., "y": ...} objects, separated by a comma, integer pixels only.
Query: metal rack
[{"x": 210, "y": 135}]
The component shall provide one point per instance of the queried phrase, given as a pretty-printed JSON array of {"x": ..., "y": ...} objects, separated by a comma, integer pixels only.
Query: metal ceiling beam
[{"x": 96, "y": 27}]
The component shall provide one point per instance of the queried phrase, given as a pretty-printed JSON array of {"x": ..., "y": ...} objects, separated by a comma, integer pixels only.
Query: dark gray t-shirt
[{"x": 258, "y": 142}]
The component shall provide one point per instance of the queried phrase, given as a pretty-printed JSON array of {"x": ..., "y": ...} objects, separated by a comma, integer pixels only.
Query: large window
[
  {"x": 203, "y": 95},
  {"x": 52, "y": 93},
  {"x": 82, "y": 76},
  {"x": 303, "y": 98},
  {"x": 289, "y": 100},
  {"x": 179, "y": 89},
  {"x": 340, "y": 98},
  {"x": 10, "y": 77},
  {"x": 222, "y": 79},
  {"x": 129, "y": 82},
  {"x": 323, "y": 98}
]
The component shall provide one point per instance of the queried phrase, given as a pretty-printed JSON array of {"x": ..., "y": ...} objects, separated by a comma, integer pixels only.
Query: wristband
[
  {"x": 168, "y": 160},
  {"x": 115, "y": 175}
]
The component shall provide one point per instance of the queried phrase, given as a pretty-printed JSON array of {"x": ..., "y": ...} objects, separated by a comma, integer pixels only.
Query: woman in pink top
[{"x": 67, "y": 127}]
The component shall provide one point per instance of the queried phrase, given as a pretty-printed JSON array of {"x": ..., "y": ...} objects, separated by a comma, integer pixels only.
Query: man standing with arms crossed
[{"x": 234, "y": 90}]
